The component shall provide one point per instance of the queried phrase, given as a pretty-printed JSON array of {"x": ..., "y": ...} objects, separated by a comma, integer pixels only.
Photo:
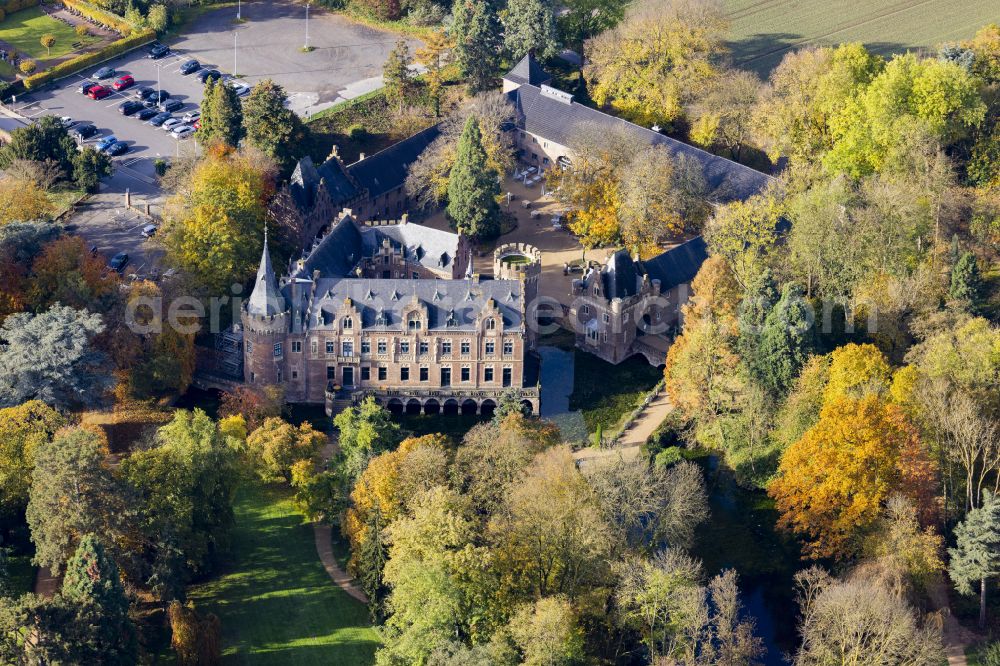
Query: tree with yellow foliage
[
  {"x": 656, "y": 60},
  {"x": 22, "y": 429},
  {"x": 22, "y": 201},
  {"x": 857, "y": 371},
  {"x": 833, "y": 483}
]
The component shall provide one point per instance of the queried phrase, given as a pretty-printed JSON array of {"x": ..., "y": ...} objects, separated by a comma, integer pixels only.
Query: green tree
[
  {"x": 73, "y": 493},
  {"x": 51, "y": 357},
  {"x": 42, "y": 141},
  {"x": 967, "y": 286},
  {"x": 476, "y": 32},
  {"x": 221, "y": 115},
  {"x": 976, "y": 555},
  {"x": 89, "y": 166},
  {"x": 744, "y": 232},
  {"x": 92, "y": 579},
  {"x": 530, "y": 26},
  {"x": 473, "y": 187},
  {"x": 371, "y": 558},
  {"x": 365, "y": 431},
  {"x": 62, "y": 632},
  {"x": 185, "y": 486},
  {"x": 397, "y": 77},
  {"x": 158, "y": 18},
  {"x": 785, "y": 342},
  {"x": 270, "y": 126}
]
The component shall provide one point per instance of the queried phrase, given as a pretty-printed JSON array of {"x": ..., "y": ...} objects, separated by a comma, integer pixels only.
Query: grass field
[
  {"x": 605, "y": 393},
  {"x": 276, "y": 602},
  {"x": 23, "y": 30},
  {"x": 764, "y": 30}
]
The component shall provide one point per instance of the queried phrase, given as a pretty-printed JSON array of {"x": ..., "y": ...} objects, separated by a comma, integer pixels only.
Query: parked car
[
  {"x": 143, "y": 92},
  {"x": 241, "y": 89},
  {"x": 104, "y": 73},
  {"x": 197, "y": 124},
  {"x": 87, "y": 86},
  {"x": 206, "y": 74},
  {"x": 118, "y": 262},
  {"x": 123, "y": 82},
  {"x": 83, "y": 131},
  {"x": 182, "y": 131},
  {"x": 190, "y": 67},
  {"x": 171, "y": 123},
  {"x": 159, "y": 119},
  {"x": 67, "y": 122},
  {"x": 148, "y": 230},
  {"x": 106, "y": 141},
  {"x": 99, "y": 92},
  {"x": 158, "y": 50},
  {"x": 130, "y": 107},
  {"x": 146, "y": 114},
  {"x": 117, "y": 148},
  {"x": 191, "y": 116},
  {"x": 172, "y": 105}
]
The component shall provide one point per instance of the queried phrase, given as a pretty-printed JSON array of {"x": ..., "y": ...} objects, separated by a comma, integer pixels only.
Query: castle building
[{"x": 394, "y": 311}]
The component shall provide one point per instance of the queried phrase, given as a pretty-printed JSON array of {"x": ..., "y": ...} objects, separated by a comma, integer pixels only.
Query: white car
[
  {"x": 182, "y": 131},
  {"x": 67, "y": 122},
  {"x": 170, "y": 123},
  {"x": 191, "y": 116},
  {"x": 241, "y": 89}
]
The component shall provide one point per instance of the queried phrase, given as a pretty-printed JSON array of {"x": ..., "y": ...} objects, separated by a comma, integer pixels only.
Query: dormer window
[
  {"x": 414, "y": 323},
  {"x": 491, "y": 324},
  {"x": 348, "y": 323}
]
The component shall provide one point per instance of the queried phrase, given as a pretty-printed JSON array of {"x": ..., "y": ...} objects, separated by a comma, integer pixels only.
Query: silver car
[
  {"x": 182, "y": 131},
  {"x": 169, "y": 124}
]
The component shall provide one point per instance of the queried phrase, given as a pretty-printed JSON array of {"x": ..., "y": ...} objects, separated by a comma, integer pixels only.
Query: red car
[
  {"x": 100, "y": 92},
  {"x": 123, "y": 82},
  {"x": 197, "y": 124}
]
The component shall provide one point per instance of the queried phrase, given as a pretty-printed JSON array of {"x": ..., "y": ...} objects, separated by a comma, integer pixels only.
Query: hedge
[
  {"x": 11, "y": 6},
  {"x": 101, "y": 16},
  {"x": 74, "y": 65}
]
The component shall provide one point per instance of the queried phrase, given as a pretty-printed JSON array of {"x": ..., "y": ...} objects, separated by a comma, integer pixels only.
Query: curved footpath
[{"x": 323, "y": 534}]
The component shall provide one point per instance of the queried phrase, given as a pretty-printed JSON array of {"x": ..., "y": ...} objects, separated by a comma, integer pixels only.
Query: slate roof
[
  {"x": 387, "y": 169},
  {"x": 558, "y": 121},
  {"x": 266, "y": 298},
  {"x": 455, "y": 301},
  {"x": 530, "y": 71},
  {"x": 678, "y": 265},
  {"x": 621, "y": 276},
  {"x": 306, "y": 178},
  {"x": 432, "y": 248},
  {"x": 336, "y": 254}
]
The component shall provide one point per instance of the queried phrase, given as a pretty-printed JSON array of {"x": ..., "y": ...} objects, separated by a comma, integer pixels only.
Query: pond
[{"x": 741, "y": 535}]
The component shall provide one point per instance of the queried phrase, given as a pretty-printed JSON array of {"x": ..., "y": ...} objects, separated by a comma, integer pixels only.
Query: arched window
[
  {"x": 491, "y": 324},
  {"x": 414, "y": 322},
  {"x": 348, "y": 323}
]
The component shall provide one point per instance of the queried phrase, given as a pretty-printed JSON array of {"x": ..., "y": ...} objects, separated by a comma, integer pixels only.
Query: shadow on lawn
[{"x": 275, "y": 600}]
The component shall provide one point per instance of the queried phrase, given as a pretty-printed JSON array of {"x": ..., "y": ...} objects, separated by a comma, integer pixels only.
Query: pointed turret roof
[
  {"x": 266, "y": 298},
  {"x": 529, "y": 71}
]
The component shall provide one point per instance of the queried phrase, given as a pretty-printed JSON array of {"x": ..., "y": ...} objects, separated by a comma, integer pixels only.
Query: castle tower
[
  {"x": 523, "y": 263},
  {"x": 265, "y": 327}
]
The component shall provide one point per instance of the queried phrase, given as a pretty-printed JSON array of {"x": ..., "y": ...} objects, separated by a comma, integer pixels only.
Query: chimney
[
  {"x": 361, "y": 156},
  {"x": 404, "y": 218}
]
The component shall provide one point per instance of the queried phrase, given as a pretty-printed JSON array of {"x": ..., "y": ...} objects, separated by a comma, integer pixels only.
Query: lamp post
[
  {"x": 235, "y": 71},
  {"x": 306, "y": 47},
  {"x": 239, "y": 10}
]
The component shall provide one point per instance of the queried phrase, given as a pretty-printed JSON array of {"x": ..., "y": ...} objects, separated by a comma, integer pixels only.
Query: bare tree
[
  {"x": 734, "y": 641},
  {"x": 860, "y": 621}
]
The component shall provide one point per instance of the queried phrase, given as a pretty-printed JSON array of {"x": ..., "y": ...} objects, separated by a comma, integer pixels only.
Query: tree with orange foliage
[
  {"x": 833, "y": 484},
  {"x": 66, "y": 272},
  {"x": 255, "y": 404}
]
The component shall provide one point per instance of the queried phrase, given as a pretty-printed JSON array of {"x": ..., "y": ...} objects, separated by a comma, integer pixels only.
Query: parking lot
[{"x": 144, "y": 141}]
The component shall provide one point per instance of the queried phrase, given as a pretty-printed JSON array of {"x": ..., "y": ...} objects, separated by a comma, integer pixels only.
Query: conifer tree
[
  {"x": 785, "y": 342},
  {"x": 473, "y": 187},
  {"x": 221, "y": 115},
  {"x": 396, "y": 75},
  {"x": 967, "y": 283},
  {"x": 272, "y": 127},
  {"x": 530, "y": 25},
  {"x": 372, "y": 556},
  {"x": 476, "y": 31},
  {"x": 976, "y": 555},
  {"x": 92, "y": 581}
]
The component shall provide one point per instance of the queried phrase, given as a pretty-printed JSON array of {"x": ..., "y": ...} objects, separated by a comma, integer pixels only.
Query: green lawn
[
  {"x": 605, "y": 393},
  {"x": 763, "y": 31},
  {"x": 276, "y": 602},
  {"x": 25, "y": 28}
]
